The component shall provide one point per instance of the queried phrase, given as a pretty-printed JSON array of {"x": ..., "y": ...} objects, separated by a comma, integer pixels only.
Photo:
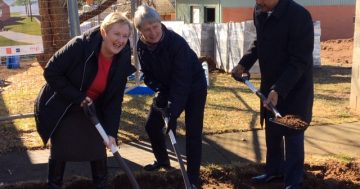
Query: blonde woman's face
[
  {"x": 151, "y": 32},
  {"x": 115, "y": 39}
]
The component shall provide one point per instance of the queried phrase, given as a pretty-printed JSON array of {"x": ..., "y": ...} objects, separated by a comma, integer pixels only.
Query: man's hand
[
  {"x": 272, "y": 98},
  {"x": 237, "y": 72}
]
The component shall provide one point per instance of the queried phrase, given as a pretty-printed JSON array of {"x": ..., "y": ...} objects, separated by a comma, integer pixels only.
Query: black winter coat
[
  {"x": 70, "y": 72},
  {"x": 171, "y": 68},
  {"x": 284, "y": 46}
]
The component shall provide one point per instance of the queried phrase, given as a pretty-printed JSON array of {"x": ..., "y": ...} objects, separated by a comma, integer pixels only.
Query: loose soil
[
  {"x": 337, "y": 52},
  {"x": 292, "y": 121},
  {"x": 329, "y": 175}
]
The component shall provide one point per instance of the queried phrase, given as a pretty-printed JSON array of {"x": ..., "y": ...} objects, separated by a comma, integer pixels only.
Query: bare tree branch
[{"x": 103, "y": 6}]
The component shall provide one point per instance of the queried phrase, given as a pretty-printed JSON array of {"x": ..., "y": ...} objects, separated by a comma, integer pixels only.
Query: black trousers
[
  {"x": 289, "y": 160},
  {"x": 194, "y": 116}
]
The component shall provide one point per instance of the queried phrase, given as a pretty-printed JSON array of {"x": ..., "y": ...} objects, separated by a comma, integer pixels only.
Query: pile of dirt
[
  {"x": 337, "y": 51},
  {"x": 292, "y": 121},
  {"x": 329, "y": 175}
]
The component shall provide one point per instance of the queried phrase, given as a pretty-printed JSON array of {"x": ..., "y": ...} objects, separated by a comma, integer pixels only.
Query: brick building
[{"x": 336, "y": 16}]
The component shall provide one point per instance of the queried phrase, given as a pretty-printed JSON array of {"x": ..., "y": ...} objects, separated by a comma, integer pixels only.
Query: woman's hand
[
  {"x": 87, "y": 101},
  {"x": 111, "y": 142}
]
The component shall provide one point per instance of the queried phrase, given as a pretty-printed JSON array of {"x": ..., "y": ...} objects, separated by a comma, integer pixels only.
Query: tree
[
  {"x": 26, "y": 4},
  {"x": 55, "y": 27},
  {"x": 103, "y": 6}
]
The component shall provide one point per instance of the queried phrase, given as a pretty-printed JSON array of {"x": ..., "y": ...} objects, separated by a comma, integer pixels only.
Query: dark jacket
[
  {"x": 171, "y": 68},
  {"x": 284, "y": 46},
  {"x": 70, "y": 72}
]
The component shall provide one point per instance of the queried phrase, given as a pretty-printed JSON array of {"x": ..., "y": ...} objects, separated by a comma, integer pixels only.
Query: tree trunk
[
  {"x": 30, "y": 11},
  {"x": 54, "y": 27}
]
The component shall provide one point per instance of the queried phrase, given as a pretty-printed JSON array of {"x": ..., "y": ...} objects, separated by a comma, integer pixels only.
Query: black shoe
[
  {"x": 100, "y": 173},
  {"x": 156, "y": 166},
  {"x": 264, "y": 178},
  {"x": 56, "y": 173}
]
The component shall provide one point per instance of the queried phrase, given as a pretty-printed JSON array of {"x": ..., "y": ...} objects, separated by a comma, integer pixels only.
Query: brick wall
[
  {"x": 54, "y": 28},
  {"x": 336, "y": 21}
]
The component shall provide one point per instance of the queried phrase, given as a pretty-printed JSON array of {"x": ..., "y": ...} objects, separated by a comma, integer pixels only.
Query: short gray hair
[{"x": 145, "y": 14}]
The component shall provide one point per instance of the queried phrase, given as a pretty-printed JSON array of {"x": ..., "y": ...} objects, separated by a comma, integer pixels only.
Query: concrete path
[
  {"x": 227, "y": 148},
  {"x": 22, "y": 37}
]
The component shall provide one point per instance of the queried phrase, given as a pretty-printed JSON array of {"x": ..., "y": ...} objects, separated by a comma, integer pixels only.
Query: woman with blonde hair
[{"x": 91, "y": 68}]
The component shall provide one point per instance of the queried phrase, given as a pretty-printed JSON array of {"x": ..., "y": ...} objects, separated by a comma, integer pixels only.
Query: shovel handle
[
  {"x": 90, "y": 112},
  {"x": 260, "y": 95},
  {"x": 272, "y": 107},
  {"x": 178, "y": 154}
]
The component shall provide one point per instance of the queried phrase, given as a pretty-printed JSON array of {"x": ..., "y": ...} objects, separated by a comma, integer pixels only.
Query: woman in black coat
[
  {"x": 284, "y": 46},
  {"x": 173, "y": 70},
  {"x": 91, "y": 68}
]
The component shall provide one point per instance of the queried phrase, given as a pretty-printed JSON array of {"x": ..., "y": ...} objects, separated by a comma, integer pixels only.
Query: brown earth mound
[
  {"x": 337, "y": 51},
  {"x": 329, "y": 175}
]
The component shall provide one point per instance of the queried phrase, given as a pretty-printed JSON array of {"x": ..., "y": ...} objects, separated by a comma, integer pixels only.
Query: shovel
[
  {"x": 290, "y": 121},
  {"x": 166, "y": 117},
  {"x": 90, "y": 112}
]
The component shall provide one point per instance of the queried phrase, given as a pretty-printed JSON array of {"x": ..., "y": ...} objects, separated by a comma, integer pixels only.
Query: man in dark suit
[{"x": 284, "y": 46}]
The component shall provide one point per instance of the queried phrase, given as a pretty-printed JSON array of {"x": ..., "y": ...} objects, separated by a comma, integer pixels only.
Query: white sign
[{"x": 20, "y": 32}]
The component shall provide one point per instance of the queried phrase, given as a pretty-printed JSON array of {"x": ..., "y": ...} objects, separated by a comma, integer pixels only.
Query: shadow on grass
[
  {"x": 13, "y": 21},
  {"x": 332, "y": 75},
  {"x": 10, "y": 141},
  {"x": 228, "y": 156}
]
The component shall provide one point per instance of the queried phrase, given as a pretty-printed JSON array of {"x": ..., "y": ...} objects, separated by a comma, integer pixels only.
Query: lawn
[
  {"x": 8, "y": 42},
  {"x": 23, "y": 24},
  {"x": 230, "y": 107}
]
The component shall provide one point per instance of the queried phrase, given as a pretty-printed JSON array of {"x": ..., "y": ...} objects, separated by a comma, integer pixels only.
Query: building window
[{"x": 209, "y": 15}]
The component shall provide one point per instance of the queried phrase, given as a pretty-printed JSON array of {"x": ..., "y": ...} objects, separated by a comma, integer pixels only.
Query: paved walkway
[
  {"x": 341, "y": 140},
  {"x": 22, "y": 37}
]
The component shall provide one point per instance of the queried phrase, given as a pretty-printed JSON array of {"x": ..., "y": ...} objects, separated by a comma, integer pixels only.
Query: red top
[{"x": 99, "y": 84}]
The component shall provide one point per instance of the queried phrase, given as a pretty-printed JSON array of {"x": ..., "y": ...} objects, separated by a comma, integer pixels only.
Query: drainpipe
[{"x": 219, "y": 17}]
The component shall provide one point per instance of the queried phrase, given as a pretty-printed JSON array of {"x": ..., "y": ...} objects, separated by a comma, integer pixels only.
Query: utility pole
[
  {"x": 355, "y": 76},
  {"x": 73, "y": 18},
  {"x": 134, "y": 4}
]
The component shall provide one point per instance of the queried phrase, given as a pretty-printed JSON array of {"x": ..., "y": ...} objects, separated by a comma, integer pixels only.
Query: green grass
[
  {"x": 8, "y": 42},
  {"x": 344, "y": 158},
  {"x": 25, "y": 25},
  {"x": 230, "y": 106}
]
